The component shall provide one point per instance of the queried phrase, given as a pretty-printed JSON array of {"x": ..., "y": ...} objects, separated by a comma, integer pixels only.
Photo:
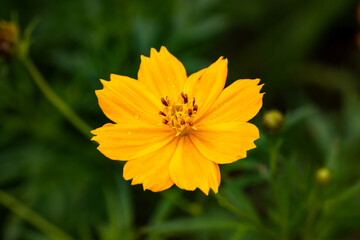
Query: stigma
[{"x": 179, "y": 114}]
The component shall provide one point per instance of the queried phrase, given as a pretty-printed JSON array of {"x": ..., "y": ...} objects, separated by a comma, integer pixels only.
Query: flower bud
[
  {"x": 323, "y": 176},
  {"x": 273, "y": 119},
  {"x": 357, "y": 39},
  {"x": 8, "y": 39},
  {"x": 358, "y": 13}
]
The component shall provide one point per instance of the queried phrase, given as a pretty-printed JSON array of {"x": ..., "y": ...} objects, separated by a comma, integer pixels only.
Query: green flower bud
[
  {"x": 273, "y": 119},
  {"x": 323, "y": 176}
]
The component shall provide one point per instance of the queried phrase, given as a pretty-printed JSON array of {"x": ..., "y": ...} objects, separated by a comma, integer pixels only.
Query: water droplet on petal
[
  {"x": 216, "y": 106},
  {"x": 136, "y": 116},
  {"x": 173, "y": 86},
  {"x": 129, "y": 132}
]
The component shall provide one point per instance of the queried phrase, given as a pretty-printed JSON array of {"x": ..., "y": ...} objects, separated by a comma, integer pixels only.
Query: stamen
[
  {"x": 164, "y": 102},
  {"x": 185, "y": 97},
  {"x": 179, "y": 113}
]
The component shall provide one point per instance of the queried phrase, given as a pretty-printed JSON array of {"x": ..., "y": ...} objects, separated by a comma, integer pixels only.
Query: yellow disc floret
[{"x": 179, "y": 114}]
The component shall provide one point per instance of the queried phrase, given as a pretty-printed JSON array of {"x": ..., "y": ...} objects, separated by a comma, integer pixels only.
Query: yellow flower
[
  {"x": 171, "y": 128},
  {"x": 8, "y": 38}
]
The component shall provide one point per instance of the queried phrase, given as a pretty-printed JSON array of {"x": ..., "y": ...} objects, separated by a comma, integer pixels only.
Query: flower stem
[
  {"x": 312, "y": 212},
  {"x": 55, "y": 99},
  {"x": 347, "y": 194},
  {"x": 223, "y": 202},
  {"x": 32, "y": 217},
  {"x": 178, "y": 200},
  {"x": 273, "y": 156}
]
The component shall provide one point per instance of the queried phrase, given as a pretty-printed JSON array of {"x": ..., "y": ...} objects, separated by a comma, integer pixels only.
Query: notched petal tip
[
  {"x": 206, "y": 192},
  {"x": 163, "y": 48},
  {"x": 218, "y": 62},
  {"x": 113, "y": 76},
  {"x": 153, "y": 52},
  {"x": 221, "y": 60},
  {"x": 220, "y": 65},
  {"x": 257, "y": 80},
  {"x": 94, "y": 132},
  {"x": 143, "y": 57},
  {"x": 215, "y": 190},
  {"x": 103, "y": 81},
  {"x": 261, "y": 86},
  {"x": 118, "y": 78},
  {"x": 98, "y": 92}
]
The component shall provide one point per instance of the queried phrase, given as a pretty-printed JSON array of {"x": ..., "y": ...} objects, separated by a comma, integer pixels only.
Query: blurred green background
[{"x": 305, "y": 52}]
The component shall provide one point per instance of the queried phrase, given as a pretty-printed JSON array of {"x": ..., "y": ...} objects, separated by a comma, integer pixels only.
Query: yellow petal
[
  {"x": 152, "y": 170},
  {"x": 207, "y": 84},
  {"x": 127, "y": 100},
  {"x": 132, "y": 140},
  {"x": 239, "y": 102},
  {"x": 162, "y": 73},
  {"x": 225, "y": 142},
  {"x": 189, "y": 169}
]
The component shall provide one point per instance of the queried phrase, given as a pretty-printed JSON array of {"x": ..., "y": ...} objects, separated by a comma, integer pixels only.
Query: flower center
[{"x": 179, "y": 114}]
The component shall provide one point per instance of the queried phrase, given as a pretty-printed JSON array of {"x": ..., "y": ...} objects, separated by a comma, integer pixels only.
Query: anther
[
  {"x": 193, "y": 101},
  {"x": 165, "y": 121},
  {"x": 191, "y": 123},
  {"x": 164, "y": 102},
  {"x": 195, "y": 108},
  {"x": 182, "y": 122},
  {"x": 161, "y": 113},
  {"x": 185, "y": 97},
  {"x": 190, "y": 112}
]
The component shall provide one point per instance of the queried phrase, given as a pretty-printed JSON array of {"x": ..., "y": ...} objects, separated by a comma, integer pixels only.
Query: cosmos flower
[
  {"x": 8, "y": 38},
  {"x": 174, "y": 129}
]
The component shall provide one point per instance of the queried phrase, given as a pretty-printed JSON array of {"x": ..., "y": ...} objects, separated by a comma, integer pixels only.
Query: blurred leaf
[
  {"x": 297, "y": 116},
  {"x": 341, "y": 198},
  {"x": 246, "y": 164},
  {"x": 185, "y": 225},
  {"x": 120, "y": 213},
  {"x": 236, "y": 201},
  {"x": 322, "y": 131}
]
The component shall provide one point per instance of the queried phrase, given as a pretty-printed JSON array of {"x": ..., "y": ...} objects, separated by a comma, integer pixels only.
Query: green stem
[
  {"x": 275, "y": 147},
  {"x": 223, "y": 202},
  {"x": 342, "y": 197},
  {"x": 55, "y": 99},
  {"x": 179, "y": 201},
  {"x": 32, "y": 217},
  {"x": 312, "y": 212}
]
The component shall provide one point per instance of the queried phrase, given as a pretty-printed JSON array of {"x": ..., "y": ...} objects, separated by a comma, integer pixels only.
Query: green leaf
[
  {"x": 186, "y": 225},
  {"x": 120, "y": 214},
  {"x": 234, "y": 194},
  {"x": 297, "y": 116}
]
